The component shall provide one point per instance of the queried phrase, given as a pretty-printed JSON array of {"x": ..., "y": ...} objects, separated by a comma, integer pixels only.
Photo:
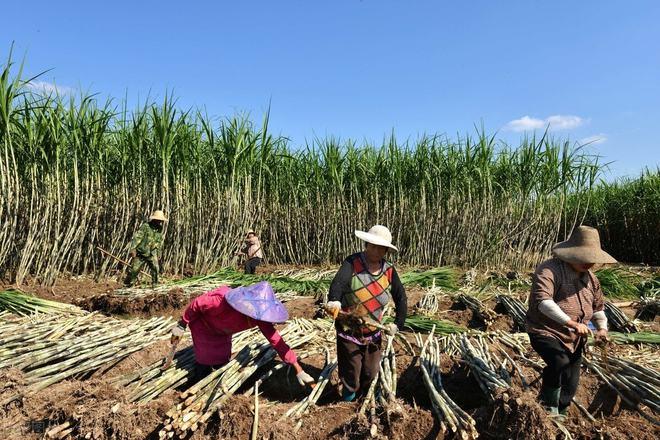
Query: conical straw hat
[
  {"x": 258, "y": 301},
  {"x": 583, "y": 247},
  {"x": 158, "y": 215}
]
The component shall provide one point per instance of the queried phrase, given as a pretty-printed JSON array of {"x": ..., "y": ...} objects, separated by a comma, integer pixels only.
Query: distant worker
[
  {"x": 359, "y": 292},
  {"x": 252, "y": 252},
  {"x": 218, "y": 314},
  {"x": 565, "y": 296},
  {"x": 146, "y": 247}
]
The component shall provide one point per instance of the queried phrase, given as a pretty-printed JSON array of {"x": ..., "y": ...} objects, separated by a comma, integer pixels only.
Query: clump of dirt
[
  {"x": 514, "y": 415},
  {"x": 90, "y": 409},
  {"x": 409, "y": 423},
  {"x": 302, "y": 308},
  {"x": 146, "y": 305}
]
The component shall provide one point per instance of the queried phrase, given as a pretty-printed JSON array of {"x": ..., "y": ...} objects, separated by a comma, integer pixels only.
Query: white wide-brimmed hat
[
  {"x": 378, "y": 235},
  {"x": 158, "y": 215},
  {"x": 583, "y": 247}
]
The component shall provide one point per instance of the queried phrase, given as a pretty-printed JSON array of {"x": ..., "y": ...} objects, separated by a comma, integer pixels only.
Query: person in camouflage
[{"x": 145, "y": 248}]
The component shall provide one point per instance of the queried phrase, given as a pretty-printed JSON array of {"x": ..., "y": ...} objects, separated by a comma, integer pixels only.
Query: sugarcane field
[{"x": 330, "y": 220}]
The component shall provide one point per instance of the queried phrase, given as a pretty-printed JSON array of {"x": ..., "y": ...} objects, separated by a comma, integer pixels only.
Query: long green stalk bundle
[
  {"x": 618, "y": 320},
  {"x": 617, "y": 282},
  {"x": 514, "y": 308},
  {"x": 76, "y": 174},
  {"x": 635, "y": 384},
  {"x": 201, "y": 400},
  {"x": 23, "y": 305},
  {"x": 635, "y": 338},
  {"x": 445, "y": 409},
  {"x": 488, "y": 370},
  {"x": 54, "y": 347},
  {"x": 441, "y": 277}
]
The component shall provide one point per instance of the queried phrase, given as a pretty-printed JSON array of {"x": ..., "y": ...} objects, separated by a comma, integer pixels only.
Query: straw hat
[
  {"x": 158, "y": 215},
  {"x": 583, "y": 247},
  {"x": 258, "y": 301},
  {"x": 378, "y": 235}
]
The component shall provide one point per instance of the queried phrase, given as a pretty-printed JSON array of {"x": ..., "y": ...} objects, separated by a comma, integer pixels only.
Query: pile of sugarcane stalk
[
  {"x": 636, "y": 384},
  {"x": 429, "y": 304},
  {"x": 312, "y": 274},
  {"x": 297, "y": 411},
  {"x": 55, "y": 347},
  {"x": 491, "y": 373},
  {"x": 448, "y": 413},
  {"x": 201, "y": 400},
  {"x": 618, "y": 320},
  {"x": 515, "y": 308},
  {"x": 478, "y": 308},
  {"x": 17, "y": 302},
  {"x": 648, "y": 307}
]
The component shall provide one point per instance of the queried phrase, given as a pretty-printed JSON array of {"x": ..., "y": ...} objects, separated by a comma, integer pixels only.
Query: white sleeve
[
  {"x": 600, "y": 320},
  {"x": 550, "y": 309}
]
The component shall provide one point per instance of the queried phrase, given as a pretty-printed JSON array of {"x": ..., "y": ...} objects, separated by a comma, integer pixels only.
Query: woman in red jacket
[{"x": 216, "y": 315}]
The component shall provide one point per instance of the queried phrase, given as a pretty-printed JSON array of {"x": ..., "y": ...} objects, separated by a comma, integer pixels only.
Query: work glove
[
  {"x": 304, "y": 379},
  {"x": 177, "y": 333},
  {"x": 333, "y": 308},
  {"x": 391, "y": 329}
]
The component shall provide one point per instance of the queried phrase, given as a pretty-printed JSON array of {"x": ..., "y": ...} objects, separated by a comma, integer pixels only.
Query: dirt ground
[{"x": 93, "y": 408}]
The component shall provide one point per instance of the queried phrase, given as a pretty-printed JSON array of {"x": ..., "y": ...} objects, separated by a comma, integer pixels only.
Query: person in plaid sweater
[{"x": 359, "y": 292}]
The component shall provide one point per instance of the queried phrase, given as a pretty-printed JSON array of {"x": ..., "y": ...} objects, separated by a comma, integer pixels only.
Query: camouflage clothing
[{"x": 147, "y": 243}]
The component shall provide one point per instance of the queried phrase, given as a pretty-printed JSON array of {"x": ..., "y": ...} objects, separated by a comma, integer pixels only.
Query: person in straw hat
[
  {"x": 359, "y": 292},
  {"x": 146, "y": 247},
  {"x": 565, "y": 296},
  {"x": 218, "y": 314}
]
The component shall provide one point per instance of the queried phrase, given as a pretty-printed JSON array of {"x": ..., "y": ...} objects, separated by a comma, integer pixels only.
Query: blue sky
[{"x": 591, "y": 69}]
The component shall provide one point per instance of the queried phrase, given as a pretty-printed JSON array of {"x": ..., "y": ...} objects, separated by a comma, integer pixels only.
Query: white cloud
[
  {"x": 555, "y": 122},
  {"x": 47, "y": 88},
  {"x": 594, "y": 140}
]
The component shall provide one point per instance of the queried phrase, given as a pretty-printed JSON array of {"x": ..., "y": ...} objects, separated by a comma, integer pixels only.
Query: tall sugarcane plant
[{"x": 77, "y": 173}]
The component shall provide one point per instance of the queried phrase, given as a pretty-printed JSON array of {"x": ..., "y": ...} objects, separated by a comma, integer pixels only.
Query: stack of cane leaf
[
  {"x": 449, "y": 414},
  {"x": 53, "y": 347}
]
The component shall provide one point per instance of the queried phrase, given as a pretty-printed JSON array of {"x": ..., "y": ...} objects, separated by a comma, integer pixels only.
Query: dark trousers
[
  {"x": 358, "y": 364},
  {"x": 251, "y": 265},
  {"x": 562, "y": 367}
]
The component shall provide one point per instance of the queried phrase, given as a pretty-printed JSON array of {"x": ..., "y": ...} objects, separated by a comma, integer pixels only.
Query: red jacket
[{"x": 213, "y": 321}]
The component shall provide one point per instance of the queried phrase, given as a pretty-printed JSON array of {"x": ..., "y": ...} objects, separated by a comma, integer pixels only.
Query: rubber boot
[
  {"x": 347, "y": 395},
  {"x": 550, "y": 399}
]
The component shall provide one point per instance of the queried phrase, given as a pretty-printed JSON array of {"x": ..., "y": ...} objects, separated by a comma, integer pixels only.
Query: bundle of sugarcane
[
  {"x": 202, "y": 399},
  {"x": 17, "y": 302},
  {"x": 648, "y": 308},
  {"x": 633, "y": 338},
  {"x": 297, "y": 411},
  {"x": 444, "y": 408},
  {"x": 429, "y": 304},
  {"x": 635, "y": 384},
  {"x": 618, "y": 320},
  {"x": 381, "y": 394},
  {"x": 488, "y": 370},
  {"x": 52, "y": 350},
  {"x": 444, "y": 277},
  {"x": 515, "y": 308},
  {"x": 478, "y": 308}
]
